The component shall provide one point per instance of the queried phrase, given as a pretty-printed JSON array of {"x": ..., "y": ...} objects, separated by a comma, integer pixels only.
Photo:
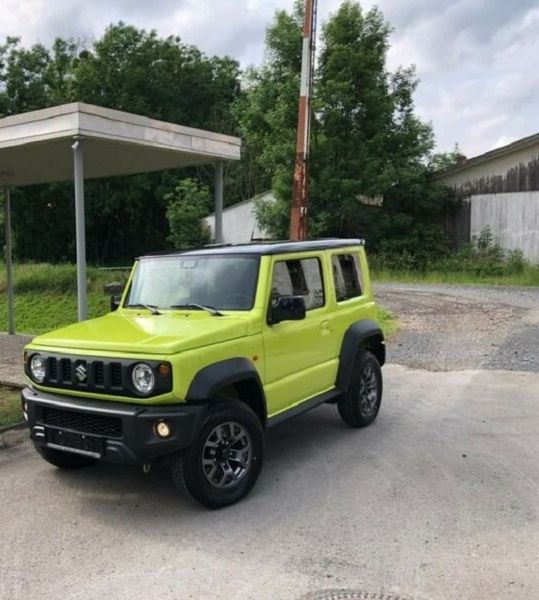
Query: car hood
[{"x": 165, "y": 333}]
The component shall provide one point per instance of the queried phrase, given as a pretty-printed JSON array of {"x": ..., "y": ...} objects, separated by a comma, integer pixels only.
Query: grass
[
  {"x": 528, "y": 277},
  {"x": 388, "y": 322},
  {"x": 45, "y": 296},
  {"x": 10, "y": 406}
]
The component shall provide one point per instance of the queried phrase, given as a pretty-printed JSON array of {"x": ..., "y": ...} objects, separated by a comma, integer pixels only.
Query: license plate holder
[{"x": 76, "y": 443}]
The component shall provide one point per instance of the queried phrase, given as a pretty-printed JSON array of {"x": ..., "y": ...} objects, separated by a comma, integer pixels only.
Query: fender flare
[
  {"x": 365, "y": 334},
  {"x": 209, "y": 380}
]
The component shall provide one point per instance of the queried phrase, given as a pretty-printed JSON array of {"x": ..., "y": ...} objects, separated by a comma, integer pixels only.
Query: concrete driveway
[{"x": 437, "y": 500}]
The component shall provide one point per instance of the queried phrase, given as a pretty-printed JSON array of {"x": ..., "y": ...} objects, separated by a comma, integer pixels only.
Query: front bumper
[{"x": 125, "y": 432}]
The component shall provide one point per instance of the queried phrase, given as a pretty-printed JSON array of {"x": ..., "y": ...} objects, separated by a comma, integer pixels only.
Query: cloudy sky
[{"x": 476, "y": 59}]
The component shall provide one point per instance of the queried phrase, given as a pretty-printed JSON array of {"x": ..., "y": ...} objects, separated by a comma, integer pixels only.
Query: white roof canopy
[
  {"x": 35, "y": 146},
  {"x": 77, "y": 141}
]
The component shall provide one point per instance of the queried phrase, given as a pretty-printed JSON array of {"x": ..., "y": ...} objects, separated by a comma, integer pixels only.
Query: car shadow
[{"x": 302, "y": 445}]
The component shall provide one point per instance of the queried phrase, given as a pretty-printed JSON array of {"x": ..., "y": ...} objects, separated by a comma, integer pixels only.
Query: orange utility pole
[{"x": 300, "y": 194}]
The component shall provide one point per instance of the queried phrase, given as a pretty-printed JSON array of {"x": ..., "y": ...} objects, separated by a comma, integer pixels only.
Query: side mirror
[
  {"x": 114, "y": 302},
  {"x": 115, "y": 290},
  {"x": 287, "y": 308}
]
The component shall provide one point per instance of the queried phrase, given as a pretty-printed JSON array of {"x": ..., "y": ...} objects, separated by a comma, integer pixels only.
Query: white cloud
[{"x": 476, "y": 60}]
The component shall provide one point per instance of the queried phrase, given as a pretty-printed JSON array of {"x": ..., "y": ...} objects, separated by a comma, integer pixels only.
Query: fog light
[{"x": 162, "y": 429}]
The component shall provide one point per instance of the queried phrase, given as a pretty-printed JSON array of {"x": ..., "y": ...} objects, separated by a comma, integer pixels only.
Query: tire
[
  {"x": 208, "y": 483},
  {"x": 360, "y": 403},
  {"x": 63, "y": 460}
]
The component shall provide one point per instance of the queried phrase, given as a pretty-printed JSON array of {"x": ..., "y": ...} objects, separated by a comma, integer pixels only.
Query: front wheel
[
  {"x": 360, "y": 404},
  {"x": 63, "y": 460},
  {"x": 223, "y": 464}
]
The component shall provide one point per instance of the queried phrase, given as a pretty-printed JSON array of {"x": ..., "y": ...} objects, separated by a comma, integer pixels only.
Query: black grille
[
  {"x": 84, "y": 423},
  {"x": 99, "y": 374},
  {"x": 116, "y": 375},
  {"x": 65, "y": 370},
  {"x": 52, "y": 366}
]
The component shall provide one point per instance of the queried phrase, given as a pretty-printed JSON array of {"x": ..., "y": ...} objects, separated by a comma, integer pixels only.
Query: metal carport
[{"x": 77, "y": 141}]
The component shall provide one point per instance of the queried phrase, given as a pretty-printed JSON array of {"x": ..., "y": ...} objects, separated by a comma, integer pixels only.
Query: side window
[
  {"x": 299, "y": 278},
  {"x": 346, "y": 276}
]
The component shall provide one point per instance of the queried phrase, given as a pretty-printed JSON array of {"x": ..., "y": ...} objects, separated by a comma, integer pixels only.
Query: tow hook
[{"x": 146, "y": 468}]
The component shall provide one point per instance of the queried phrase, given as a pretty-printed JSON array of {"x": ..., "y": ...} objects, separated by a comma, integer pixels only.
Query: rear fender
[{"x": 362, "y": 334}]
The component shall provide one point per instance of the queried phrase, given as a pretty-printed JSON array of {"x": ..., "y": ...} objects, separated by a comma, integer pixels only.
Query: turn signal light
[{"x": 163, "y": 370}]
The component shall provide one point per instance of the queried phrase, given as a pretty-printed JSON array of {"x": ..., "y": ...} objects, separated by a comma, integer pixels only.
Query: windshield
[{"x": 219, "y": 282}]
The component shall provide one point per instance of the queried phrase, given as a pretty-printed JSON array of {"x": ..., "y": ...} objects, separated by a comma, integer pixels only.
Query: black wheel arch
[
  {"x": 237, "y": 372},
  {"x": 362, "y": 334}
]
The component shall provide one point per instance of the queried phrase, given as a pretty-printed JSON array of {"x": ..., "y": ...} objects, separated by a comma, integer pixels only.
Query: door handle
[{"x": 325, "y": 327}]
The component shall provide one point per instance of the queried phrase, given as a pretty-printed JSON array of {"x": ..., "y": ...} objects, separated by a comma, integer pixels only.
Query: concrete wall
[
  {"x": 513, "y": 219},
  {"x": 239, "y": 222}
]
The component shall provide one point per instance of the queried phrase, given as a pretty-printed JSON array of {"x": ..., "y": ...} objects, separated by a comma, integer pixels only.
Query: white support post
[
  {"x": 78, "y": 173},
  {"x": 219, "y": 202},
  {"x": 9, "y": 263}
]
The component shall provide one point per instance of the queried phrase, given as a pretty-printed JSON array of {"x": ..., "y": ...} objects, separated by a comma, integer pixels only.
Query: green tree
[
  {"x": 187, "y": 204},
  {"x": 127, "y": 69},
  {"x": 446, "y": 160},
  {"x": 368, "y": 146},
  {"x": 268, "y": 112}
]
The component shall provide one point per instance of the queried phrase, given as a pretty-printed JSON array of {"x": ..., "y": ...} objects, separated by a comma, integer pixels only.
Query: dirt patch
[{"x": 444, "y": 328}]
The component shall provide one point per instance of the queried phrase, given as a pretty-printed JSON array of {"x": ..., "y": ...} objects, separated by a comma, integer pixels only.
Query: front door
[{"x": 300, "y": 361}]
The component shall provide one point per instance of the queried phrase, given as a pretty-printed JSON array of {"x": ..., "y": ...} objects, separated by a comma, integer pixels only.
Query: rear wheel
[
  {"x": 360, "y": 404},
  {"x": 223, "y": 464},
  {"x": 63, "y": 460}
]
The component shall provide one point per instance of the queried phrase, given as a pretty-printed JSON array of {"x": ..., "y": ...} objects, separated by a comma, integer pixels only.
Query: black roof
[{"x": 265, "y": 248}]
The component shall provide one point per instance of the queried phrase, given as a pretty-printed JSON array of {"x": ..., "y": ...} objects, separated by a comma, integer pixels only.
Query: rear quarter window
[{"x": 346, "y": 276}]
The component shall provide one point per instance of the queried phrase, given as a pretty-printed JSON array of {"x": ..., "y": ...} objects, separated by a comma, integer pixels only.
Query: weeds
[{"x": 481, "y": 261}]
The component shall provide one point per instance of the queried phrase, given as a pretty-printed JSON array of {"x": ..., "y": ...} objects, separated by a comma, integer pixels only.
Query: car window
[
  {"x": 299, "y": 278},
  {"x": 346, "y": 276},
  {"x": 223, "y": 282}
]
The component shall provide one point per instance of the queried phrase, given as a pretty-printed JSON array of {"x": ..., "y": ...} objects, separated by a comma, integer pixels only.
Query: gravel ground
[{"x": 449, "y": 327}]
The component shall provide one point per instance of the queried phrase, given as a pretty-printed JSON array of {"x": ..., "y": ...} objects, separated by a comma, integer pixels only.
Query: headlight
[
  {"x": 37, "y": 368},
  {"x": 143, "y": 378}
]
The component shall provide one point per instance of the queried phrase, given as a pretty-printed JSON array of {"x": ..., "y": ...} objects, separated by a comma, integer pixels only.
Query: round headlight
[
  {"x": 37, "y": 368},
  {"x": 143, "y": 378}
]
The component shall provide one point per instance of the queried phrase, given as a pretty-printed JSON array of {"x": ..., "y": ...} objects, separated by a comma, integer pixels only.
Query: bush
[
  {"x": 187, "y": 205},
  {"x": 482, "y": 257}
]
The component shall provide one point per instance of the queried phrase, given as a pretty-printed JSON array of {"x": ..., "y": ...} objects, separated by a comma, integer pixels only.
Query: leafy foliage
[
  {"x": 446, "y": 160},
  {"x": 367, "y": 142},
  {"x": 187, "y": 204},
  {"x": 127, "y": 69},
  {"x": 482, "y": 258}
]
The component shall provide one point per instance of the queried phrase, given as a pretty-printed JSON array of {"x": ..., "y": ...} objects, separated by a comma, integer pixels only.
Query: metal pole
[
  {"x": 300, "y": 193},
  {"x": 78, "y": 172},
  {"x": 219, "y": 202},
  {"x": 9, "y": 265}
]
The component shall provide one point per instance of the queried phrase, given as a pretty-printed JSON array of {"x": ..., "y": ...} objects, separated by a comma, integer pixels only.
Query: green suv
[{"x": 205, "y": 350}]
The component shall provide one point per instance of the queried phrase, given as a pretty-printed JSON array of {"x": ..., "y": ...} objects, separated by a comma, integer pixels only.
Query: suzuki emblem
[{"x": 81, "y": 373}]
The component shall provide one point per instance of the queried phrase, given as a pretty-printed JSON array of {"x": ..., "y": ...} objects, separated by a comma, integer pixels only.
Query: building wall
[
  {"x": 517, "y": 171},
  {"x": 513, "y": 219},
  {"x": 239, "y": 222}
]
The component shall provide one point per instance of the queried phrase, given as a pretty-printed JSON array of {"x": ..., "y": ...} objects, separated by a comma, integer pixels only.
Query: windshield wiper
[
  {"x": 194, "y": 305},
  {"x": 151, "y": 307}
]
